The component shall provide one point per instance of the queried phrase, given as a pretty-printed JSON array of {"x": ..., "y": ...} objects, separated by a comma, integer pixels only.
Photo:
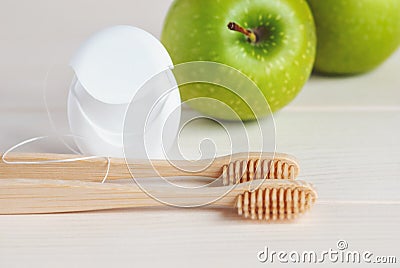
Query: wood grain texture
[
  {"x": 48, "y": 166},
  {"x": 170, "y": 237},
  {"x": 30, "y": 196}
]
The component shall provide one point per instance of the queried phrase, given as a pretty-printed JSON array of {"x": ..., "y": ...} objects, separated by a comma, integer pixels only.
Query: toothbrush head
[
  {"x": 241, "y": 171},
  {"x": 277, "y": 201}
]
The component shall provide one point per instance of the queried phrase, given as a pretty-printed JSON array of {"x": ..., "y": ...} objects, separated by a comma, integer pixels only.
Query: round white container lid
[{"x": 114, "y": 63}]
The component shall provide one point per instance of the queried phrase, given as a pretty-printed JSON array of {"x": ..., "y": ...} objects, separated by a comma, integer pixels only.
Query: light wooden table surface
[{"x": 345, "y": 132}]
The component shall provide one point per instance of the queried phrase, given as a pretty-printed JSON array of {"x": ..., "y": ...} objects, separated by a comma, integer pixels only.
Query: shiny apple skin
[{"x": 280, "y": 65}]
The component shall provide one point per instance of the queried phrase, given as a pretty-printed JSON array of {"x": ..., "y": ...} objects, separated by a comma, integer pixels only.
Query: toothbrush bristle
[
  {"x": 276, "y": 202},
  {"x": 248, "y": 170}
]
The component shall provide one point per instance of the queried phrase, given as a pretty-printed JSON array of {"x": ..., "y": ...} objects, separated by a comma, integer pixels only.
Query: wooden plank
[{"x": 194, "y": 237}]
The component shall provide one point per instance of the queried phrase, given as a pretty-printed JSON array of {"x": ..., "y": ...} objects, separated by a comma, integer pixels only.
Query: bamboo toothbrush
[
  {"x": 231, "y": 169},
  {"x": 267, "y": 200}
]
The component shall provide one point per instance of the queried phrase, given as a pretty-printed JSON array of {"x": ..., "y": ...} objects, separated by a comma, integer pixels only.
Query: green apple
[
  {"x": 273, "y": 42},
  {"x": 355, "y": 36}
]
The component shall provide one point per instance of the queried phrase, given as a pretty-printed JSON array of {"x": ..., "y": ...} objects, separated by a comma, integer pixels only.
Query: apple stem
[{"x": 251, "y": 36}]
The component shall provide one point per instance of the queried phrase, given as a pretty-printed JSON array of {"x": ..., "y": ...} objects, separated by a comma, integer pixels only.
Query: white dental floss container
[{"x": 110, "y": 68}]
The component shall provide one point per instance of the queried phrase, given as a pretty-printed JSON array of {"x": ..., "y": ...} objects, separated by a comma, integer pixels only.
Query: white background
[{"x": 344, "y": 132}]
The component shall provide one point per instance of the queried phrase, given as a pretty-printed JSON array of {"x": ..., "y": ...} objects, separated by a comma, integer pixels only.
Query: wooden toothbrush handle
[
  {"x": 90, "y": 170},
  {"x": 94, "y": 170},
  {"x": 31, "y": 196},
  {"x": 28, "y": 196}
]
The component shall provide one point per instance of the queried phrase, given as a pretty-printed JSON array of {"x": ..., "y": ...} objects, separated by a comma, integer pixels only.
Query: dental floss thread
[{"x": 3, "y": 157}]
